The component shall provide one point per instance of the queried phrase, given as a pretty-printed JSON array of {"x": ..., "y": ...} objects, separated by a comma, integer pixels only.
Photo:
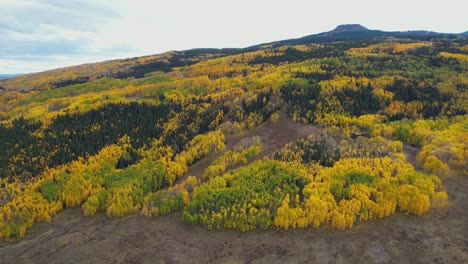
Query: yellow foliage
[
  {"x": 458, "y": 56},
  {"x": 388, "y": 47},
  {"x": 253, "y": 120},
  {"x": 274, "y": 117},
  {"x": 76, "y": 190},
  {"x": 120, "y": 203},
  {"x": 440, "y": 199},
  {"x": 411, "y": 200},
  {"x": 434, "y": 165},
  {"x": 23, "y": 211},
  {"x": 91, "y": 206},
  {"x": 317, "y": 209},
  {"x": 288, "y": 217}
]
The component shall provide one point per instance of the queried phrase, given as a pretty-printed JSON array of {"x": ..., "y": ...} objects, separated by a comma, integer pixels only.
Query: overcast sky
[{"x": 37, "y": 35}]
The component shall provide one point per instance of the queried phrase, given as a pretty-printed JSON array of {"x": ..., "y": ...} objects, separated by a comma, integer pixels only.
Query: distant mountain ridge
[
  {"x": 348, "y": 28},
  {"x": 137, "y": 67},
  {"x": 6, "y": 76},
  {"x": 350, "y": 32}
]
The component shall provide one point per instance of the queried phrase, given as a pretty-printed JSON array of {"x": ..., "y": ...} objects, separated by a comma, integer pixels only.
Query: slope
[
  {"x": 71, "y": 237},
  {"x": 129, "y": 145}
]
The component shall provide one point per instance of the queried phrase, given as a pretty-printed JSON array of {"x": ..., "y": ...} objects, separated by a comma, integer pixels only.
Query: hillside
[
  {"x": 327, "y": 131},
  {"x": 121, "y": 69},
  {"x": 139, "y": 66}
]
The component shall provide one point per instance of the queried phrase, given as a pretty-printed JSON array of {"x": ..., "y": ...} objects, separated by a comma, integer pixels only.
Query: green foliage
[
  {"x": 50, "y": 190},
  {"x": 341, "y": 186},
  {"x": 97, "y": 184},
  {"x": 359, "y": 178},
  {"x": 272, "y": 193},
  {"x": 162, "y": 203},
  {"x": 402, "y": 132},
  {"x": 102, "y": 84},
  {"x": 122, "y": 144},
  {"x": 246, "y": 198}
]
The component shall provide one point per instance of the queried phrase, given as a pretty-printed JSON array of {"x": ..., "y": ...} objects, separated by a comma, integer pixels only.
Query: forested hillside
[{"x": 120, "y": 137}]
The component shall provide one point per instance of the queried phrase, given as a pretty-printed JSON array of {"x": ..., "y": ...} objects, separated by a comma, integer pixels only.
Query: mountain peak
[{"x": 349, "y": 28}]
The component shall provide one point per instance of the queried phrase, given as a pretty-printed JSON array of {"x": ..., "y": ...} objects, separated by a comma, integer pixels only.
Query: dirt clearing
[{"x": 272, "y": 135}]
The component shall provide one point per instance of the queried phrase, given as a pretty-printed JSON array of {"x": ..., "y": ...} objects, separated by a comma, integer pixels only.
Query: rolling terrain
[
  {"x": 344, "y": 146},
  {"x": 438, "y": 237}
]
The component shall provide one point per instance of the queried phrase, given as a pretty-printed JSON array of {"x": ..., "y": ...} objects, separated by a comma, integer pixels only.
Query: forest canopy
[{"x": 124, "y": 142}]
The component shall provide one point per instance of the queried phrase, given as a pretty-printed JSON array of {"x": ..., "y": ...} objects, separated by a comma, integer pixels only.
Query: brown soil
[
  {"x": 272, "y": 135},
  {"x": 275, "y": 135},
  {"x": 438, "y": 237},
  {"x": 410, "y": 155}
]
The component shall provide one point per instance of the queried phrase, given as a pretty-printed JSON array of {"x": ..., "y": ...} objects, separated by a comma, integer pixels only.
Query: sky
[{"x": 38, "y": 35}]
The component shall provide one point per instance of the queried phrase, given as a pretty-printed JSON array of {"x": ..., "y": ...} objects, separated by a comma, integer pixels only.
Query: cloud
[
  {"x": 33, "y": 31},
  {"x": 24, "y": 16},
  {"x": 65, "y": 32}
]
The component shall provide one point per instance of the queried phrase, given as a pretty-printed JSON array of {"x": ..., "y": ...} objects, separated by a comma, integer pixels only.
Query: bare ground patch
[{"x": 272, "y": 135}]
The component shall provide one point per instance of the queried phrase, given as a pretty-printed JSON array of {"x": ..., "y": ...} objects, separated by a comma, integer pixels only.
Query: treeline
[
  {"x": 252, "y": 109},
  {"x": 63, "y": 83},
  {"x": 177, "y": 59},
  {"x": 98, "y": 184},
  {"x": 307, "y": 100},
  {"x": 400, "y": 98},
  {"x": 27, "y": 148},
  {"x": 291, "y": 54}
]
